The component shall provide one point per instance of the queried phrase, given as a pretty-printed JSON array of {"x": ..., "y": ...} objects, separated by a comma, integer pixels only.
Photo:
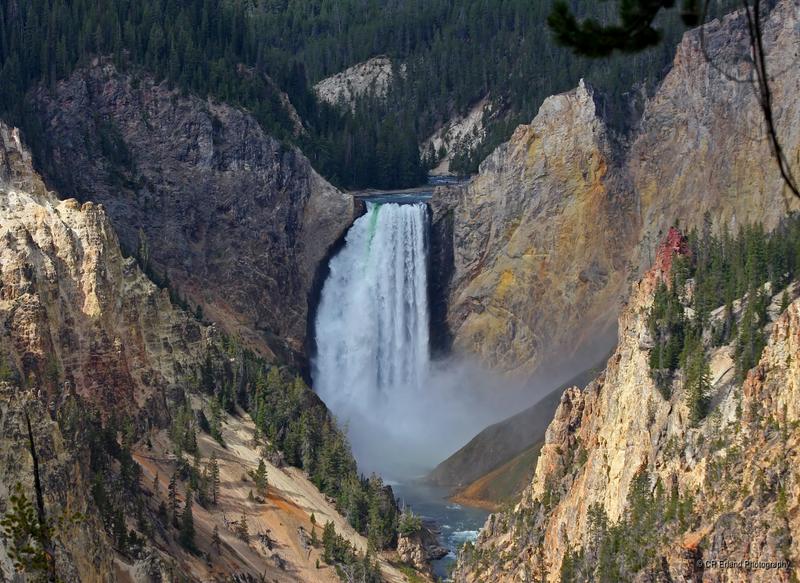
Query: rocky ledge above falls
[{"x": 238, "y": 222}]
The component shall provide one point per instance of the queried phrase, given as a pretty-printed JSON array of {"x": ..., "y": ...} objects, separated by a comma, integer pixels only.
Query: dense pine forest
[
  {"x": 455, "y": 52},
  {"x": 739, "y": 273}
]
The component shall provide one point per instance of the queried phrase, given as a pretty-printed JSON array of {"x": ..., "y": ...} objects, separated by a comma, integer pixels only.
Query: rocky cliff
[
  {"x": 539, "y": 238},
  {"x": 702, "y": 146},
  {"x": 543, "y": 240},
  {"x": 238, "y": 222},
  {"x": 75, "y": 310},
  {"x": 370, "y": 78},
  {"x": 119, "y": 387},
  {"x": 79, "y": 322},
  {"x": 688, "y": 496}
]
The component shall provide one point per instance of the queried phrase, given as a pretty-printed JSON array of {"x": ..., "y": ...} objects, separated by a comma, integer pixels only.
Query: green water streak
[{"x": 373, "y": 209}]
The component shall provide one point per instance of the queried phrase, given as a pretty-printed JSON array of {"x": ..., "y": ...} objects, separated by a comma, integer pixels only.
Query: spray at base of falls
[{"x": 403, "y": 412}]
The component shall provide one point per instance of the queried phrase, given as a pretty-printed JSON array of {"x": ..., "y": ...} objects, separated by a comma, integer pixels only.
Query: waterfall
[
  {"x": 372, "y": 333},
  {"x": 403, "y": 413}
]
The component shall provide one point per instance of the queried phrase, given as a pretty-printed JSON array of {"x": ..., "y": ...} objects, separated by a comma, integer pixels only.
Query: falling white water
[
  {"x": 372, "y": 366},
  {"x": 372, "y": 322}
]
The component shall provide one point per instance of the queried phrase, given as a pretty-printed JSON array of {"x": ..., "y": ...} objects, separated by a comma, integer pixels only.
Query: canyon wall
[
  {"x": 75, "y": 310},
  {"x": 238, "y": 222},
  {"x": 542, "y": 243},
  {"x": 79, "y": 321},
  {"x": 703, "y": 147},
  {"x": 111, "y": 377},
  {"x": 722, "y": 489},
  {"x": 540, "y": 237}
]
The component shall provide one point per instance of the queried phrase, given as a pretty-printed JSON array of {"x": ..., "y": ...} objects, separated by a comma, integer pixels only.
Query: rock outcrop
[
  {"x": 370, "y": 78},
  {"x": 545, "y": 238},
  {"x": 459, "y": 136},
  {"x": 238, "y": 222},
  {"x": 727, "y": 478},
  {"x": 74, "y": 309},
  {"x": 420, "y": 548},
  {"x": 539, "y": 238}
]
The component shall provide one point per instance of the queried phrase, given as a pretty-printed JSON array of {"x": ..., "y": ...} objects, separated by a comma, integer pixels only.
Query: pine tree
[
  {"x": 260, "y": 478},
  {"x": 750, "y": 342},
  {"x": 213, "y": 471},
  {"x": 27, "y": 537},
  {"x": 203, "y": 484},
  {"x": 785, "y": 301},
  {"x": 328, "y": 542},
  {"x": 118, "y": 529},
  {"x": 216, "y": 542},
  {"x": 698, "y": 385},
  {"x": 242, "y": 529},
  {"x": 641, "y": 530},
  {"x": 216, "y": 421},
  {"x": 172, "y": 496},
  {"x": 187, "y": 522}
]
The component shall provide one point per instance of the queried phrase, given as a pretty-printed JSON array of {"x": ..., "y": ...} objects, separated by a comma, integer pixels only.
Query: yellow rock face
[
  {"x": 539, "y": 240},
  {"x": 71, "y": 303},
  {"x": 603, "y": 435},
  {"x": 575, "y": 218}
]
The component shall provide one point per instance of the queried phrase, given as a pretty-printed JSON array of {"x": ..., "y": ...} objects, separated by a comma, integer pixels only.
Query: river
[
  {"x": 373, "y": 367},
  {"x": 457, "y": 524}
]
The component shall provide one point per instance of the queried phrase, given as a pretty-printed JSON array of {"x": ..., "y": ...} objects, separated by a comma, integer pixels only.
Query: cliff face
[
  {"x": 238, "y": 222},
  {"x": 78, "y": 321},
  {"x": 703, "y": 146},
  {"x": 102, "y": 363},
  {"x": 372, "y": 77},
  {"x": 728, "y": 478},
  {"x": 539, "y": 238},
  {"x": 74, "y": 309},
  {"x": 545, "y": 238}
]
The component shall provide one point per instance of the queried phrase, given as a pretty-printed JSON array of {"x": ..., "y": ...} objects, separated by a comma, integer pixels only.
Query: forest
[
  {"x": 455, "y": 52},
  {"x": 725, "y": 269}
]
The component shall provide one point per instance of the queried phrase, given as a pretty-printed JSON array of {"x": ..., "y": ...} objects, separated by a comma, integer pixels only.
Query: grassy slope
[
  {"x": 502, "y": 485},
  {"x": 488, "y": 469}
]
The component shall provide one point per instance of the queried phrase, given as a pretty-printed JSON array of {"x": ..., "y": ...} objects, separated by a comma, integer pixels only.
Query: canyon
[
  {"x": 173, "y": 278},
  {"x": 88, "y": 340},
  {"x": 605, "y": 436}
]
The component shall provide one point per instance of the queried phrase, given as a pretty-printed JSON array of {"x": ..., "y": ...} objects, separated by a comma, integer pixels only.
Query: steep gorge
[
  {"x": 538, "y": 249},
  {"x": 727, "y": 481},
  {"x": 120, "y": 386},
  {"x": 237, "y": 222}
]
